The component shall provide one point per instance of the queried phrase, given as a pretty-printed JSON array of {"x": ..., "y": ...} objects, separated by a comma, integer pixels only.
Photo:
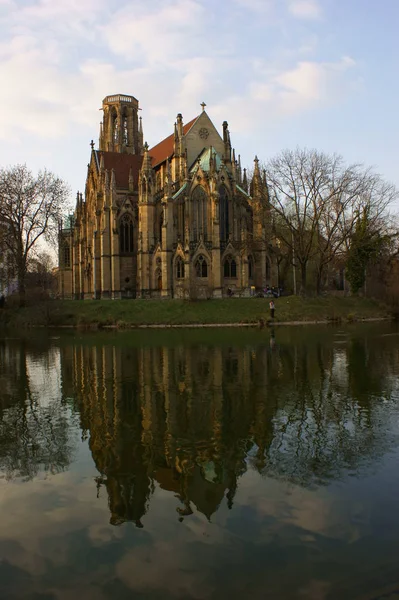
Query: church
[{"x": 178, "y": 220}]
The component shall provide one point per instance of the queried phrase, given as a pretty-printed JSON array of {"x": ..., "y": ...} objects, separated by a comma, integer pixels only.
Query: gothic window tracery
[
  {"x": 199, "y": 201},
  {"x": 223, "y": 213},
  {"x": 201, "y": 266},
  {"x": 67, "y": 256},
  {"x": 230, "y": 267},
  {"x": 124, "y": 130},
  {"x": 179, "y": 268},
  {"x": 126, "y": 232},
  {"x": 115, "y": 127}
]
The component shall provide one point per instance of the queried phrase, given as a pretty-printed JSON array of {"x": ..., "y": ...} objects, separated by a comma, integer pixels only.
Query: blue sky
[{"x": 314, "y": 73}]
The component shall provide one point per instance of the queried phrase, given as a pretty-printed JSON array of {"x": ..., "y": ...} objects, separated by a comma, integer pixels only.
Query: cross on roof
[{"x": 203, "y": 106}]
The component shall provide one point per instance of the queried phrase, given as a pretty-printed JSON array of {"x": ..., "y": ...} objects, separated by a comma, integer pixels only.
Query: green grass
[{"x": 127, "y": 313}]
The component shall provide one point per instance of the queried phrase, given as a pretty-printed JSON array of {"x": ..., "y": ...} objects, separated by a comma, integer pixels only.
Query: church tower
[{"x": 121, "y": 129}]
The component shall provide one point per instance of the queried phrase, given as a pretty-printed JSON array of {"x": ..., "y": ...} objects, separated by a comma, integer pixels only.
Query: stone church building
[{"x": 178, "y": 220}]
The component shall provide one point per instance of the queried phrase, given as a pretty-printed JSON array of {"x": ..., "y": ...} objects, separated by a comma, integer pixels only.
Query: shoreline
[
  {"x": 254, "y": 324},
  {"x": 175, "y": 314}
]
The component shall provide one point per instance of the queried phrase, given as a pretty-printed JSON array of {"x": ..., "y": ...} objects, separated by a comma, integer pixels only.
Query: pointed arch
[
  {"x": 66, "y": 255},
  {"x": 199, "y": 212},
  {"x": 115, "y": 126},
  {"x": 179, "y": 268},
  {"x": 230, "y": 267},
  {"x": 201, "y": 266},
  {"x": 126, "y": 234},
  {"x": 125, "y": 129},
  {"x": 224, "y": 214}
]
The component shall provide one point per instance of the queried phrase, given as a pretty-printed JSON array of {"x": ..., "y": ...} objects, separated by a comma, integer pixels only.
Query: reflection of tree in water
[
  {"x": 191, "y": 419},
  {"x": 34, "y": 431}
]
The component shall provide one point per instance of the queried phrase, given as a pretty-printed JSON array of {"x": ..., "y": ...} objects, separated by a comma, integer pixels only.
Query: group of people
[{"x": 273, "y": 291}]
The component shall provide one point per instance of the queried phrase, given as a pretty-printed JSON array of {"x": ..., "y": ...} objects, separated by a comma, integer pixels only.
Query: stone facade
[{"x": 178, "y": 220}]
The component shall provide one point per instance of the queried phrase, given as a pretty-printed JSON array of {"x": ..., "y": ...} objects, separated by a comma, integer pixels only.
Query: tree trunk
[
  {"x": 319, "y": 278},
  {"x": 303, "y": 278},
  {"x": 21, "y": 283}
]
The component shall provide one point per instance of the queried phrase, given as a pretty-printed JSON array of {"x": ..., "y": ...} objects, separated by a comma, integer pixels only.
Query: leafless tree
[
  {"x": 316, "y": 197},
  {"x": 30, "y": 210}
]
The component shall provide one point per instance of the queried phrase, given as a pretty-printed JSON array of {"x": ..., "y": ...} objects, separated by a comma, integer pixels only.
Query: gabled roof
[
  {"x": 205, "y": 157},
  {"x": 121, "y": 163},
  {"x": 164, "y": 149}
]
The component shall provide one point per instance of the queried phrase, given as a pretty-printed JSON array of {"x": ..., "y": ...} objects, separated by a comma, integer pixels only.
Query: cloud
[
  {"x": 58, "y": 61},
  {"x": 281, "y": 93},
  {"x": 165, "y": 33},
  {"x": 305, "y": 9}
]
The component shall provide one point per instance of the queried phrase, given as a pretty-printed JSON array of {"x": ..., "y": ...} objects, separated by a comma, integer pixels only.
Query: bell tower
[{"x": 121, "y": 129}]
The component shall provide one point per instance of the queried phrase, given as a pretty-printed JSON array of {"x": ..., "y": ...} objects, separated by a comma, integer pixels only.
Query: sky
[{"x": 284, "y": 73}]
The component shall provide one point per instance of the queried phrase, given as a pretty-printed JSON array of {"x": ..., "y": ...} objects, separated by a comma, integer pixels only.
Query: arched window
[
  {"x": 223, "y": 214},
  {"x": 230, "y": 267},
  {"x": 179, "y": 268},
  {"x": 250, "y": 267},
  {"x": 201, "y": 267},
  {"x": 126, "y": 234},
  {"x": 115, "y": 127},
  {"x": 125, "y": 137},
  {"x": 67, "y": 256},
  {"x": 199, "y": 201}
]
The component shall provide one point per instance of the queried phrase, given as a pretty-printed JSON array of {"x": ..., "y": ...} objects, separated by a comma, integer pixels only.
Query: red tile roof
[
  {"x": 122, "y": 163},
  {"x": 164, "y": 149}
]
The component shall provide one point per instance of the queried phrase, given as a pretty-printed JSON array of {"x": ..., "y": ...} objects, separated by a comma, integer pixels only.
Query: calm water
[{"x": 209, "y": 465}]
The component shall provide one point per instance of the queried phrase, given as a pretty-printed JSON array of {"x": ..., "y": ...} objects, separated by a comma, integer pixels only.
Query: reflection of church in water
[
  {"x": 192, "y": 419},
  {"x": 174, "y": 417},
  {"x": 176, "y": 220}
]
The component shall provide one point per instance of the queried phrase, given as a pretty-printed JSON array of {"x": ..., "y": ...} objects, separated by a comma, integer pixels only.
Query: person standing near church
[{"x": 272, "y": 308}]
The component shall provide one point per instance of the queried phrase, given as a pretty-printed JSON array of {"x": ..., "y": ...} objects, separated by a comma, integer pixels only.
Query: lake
[{"x": 200, "y": 464}]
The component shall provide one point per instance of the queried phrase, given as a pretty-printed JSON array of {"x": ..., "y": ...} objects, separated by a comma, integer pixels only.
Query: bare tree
[
  {"x": 316, "y": 198},
  {"x": 30, "y": 209}
]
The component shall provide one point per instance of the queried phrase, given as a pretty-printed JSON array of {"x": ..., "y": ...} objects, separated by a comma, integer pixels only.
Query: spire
[
  {"x": 141, "y": 135},
  {"x": 106, "y": 184},
  {"x": 211, "y": 162},
  {"x": 234, "y": 165},
  {"x": 256, "y": 184},
  {"x": 147, "y": 166},
  {"x": 227, "y": 142},
  {"x": 239, "y": 173},
  {"x": 245, "y": 181},
  {"x": 100, "y": 139},
  {"x": 146, "y": 177},
  {"x": 101, "y": 162},
  {"x": 179, "y": 120}
]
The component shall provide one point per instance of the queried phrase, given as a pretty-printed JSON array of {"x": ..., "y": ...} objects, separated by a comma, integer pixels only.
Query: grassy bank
[{"x": 127, "y": 313}]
